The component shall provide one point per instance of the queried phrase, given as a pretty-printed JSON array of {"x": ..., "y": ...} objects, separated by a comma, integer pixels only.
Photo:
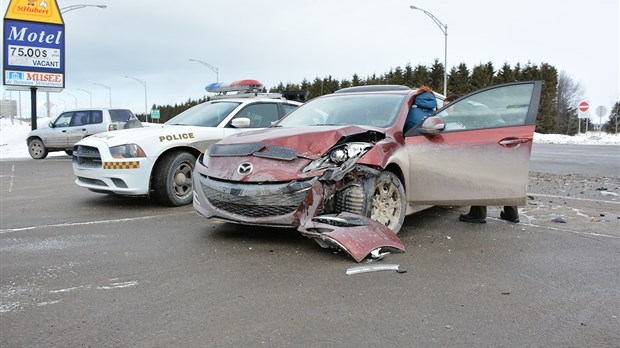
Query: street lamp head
[
  {"x": 413, "y": 7},
  {"x": 102, "y": 6}
]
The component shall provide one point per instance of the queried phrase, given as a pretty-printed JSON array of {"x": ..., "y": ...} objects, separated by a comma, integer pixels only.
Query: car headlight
[
  {"x": 338, "y": 155},
  {"x": 127, "y": 151}
]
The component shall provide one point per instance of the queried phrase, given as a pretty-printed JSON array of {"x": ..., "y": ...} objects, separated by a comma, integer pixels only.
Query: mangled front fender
[{"x": 357, "y": 235}]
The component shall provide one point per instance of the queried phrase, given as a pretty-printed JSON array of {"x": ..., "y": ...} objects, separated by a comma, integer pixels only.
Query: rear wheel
[
  {"x": 36, "y": 149},
  {"x": 388, "y": 203},
  {"x": 172, "y": 179}
]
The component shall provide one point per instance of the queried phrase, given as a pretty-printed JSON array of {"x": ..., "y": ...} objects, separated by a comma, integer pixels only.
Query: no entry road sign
[{"x": 584, "y": 106}]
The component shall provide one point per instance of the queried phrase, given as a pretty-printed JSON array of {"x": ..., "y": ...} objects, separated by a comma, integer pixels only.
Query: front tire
[
  {"x": 37, "y": 149},
  {"x": 388, "y": 203},
  {"x": 172, "y": 179}
]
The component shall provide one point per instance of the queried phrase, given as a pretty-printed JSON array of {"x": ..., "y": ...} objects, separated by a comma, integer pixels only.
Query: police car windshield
[
  {"x": 379, "y": 110},
  {"x": 204, "y": 115}
]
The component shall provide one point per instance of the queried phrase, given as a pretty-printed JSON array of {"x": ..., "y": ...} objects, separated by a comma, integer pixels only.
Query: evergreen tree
[
  {"x": 611, "y": 126},
  {"x": 356, "y": 81},
  {"x": 546, "y": 121},
  {"x": 396, "y": 77},
  {"x": 436, "y": 76},
  {"x": 408, "y": 76},
  {"x": 459, "y": 82},
  {"x": 482, "y": 76},
  {"x": 420, "y": 76},
  {"x": 505, "y": 74}
]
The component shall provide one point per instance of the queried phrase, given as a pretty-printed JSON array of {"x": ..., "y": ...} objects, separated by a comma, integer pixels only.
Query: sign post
[
  {"x": 600, "y": 112},
  {"x": 155, "y": 115},
  {"x": 34, "y": 49},
  {"x": 583, "y": 109}
]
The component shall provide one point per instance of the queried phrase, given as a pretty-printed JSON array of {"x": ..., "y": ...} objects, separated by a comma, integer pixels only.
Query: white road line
[
  {"x": 563, "y": 229},
  {"x": 573, "y": 198},
  {"x": 67, "y": 224}
]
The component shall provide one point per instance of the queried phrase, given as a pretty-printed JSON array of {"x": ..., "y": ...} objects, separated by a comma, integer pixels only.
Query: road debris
[{"x": 374, "y": 268}]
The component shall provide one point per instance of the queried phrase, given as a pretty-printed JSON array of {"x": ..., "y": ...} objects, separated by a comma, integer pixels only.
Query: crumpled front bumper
[{"x": 297, "y": 204}]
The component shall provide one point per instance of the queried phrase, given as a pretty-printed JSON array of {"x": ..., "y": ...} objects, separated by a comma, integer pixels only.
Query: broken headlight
[
  {"x": 127, "y": 151},
  {"x": 338, "y": 155}
]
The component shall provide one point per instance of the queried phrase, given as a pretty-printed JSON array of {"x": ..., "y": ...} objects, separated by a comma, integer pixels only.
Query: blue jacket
[{"x": 423, "y": 105}]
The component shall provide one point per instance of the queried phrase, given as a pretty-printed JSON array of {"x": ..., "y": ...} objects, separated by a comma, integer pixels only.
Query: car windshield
[
  {"x": 379, "y": 110},
  {"x": 208, "y": 114}
]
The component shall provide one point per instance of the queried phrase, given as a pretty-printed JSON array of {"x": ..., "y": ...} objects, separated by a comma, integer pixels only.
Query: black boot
[
  {"x": 505, "y": 216},
  {"x": 471, "y": 218}
]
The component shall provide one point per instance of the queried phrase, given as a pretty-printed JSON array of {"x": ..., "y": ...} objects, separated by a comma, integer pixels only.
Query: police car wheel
[
  {"x": 36, "y": 149},
  {"x": 172, "y": 181}
]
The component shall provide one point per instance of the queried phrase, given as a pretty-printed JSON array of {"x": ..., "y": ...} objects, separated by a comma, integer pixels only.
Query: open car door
[{"x": 476, "y": 150}]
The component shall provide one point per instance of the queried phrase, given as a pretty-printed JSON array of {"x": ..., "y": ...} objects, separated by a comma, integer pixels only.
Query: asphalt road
[
  {"x": 596, "y": 160},
  {"x": 84, "y": 269}
]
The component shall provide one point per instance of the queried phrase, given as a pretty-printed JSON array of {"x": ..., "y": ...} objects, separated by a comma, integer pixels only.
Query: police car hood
[
  {"x": 309, "y": 142},
  {"x": 137, "y": 135}
]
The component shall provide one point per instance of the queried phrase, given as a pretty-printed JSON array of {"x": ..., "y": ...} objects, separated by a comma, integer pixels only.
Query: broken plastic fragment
[
  {"x": 373, "y": 268},
  {"x": 559, "y": 219},
  {"x": 377, "y": 255}
]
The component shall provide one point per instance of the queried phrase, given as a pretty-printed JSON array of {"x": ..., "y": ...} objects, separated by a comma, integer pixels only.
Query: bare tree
[{"x": 570, "y": 93}]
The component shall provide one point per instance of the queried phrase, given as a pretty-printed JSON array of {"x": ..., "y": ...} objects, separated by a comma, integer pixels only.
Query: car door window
[
  {"x": 288, "y": 108},
  {"x": 498, "y": 107},
  {"x": 96, "y": 116},
  {"x": 63, "y": 120},
  {"x": 261, "y": 115},
  {"x": 80, "y": 118}
]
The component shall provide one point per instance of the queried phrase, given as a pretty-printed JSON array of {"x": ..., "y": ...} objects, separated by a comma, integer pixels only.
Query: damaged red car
[{"x": 341, "y": 170}]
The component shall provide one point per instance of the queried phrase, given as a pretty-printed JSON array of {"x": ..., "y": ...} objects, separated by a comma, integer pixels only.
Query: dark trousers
[{"x": 480, "y": 211}]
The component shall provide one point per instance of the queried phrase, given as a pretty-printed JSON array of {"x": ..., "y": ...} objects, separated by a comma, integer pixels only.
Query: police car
[{"x": 158, "y": 161}]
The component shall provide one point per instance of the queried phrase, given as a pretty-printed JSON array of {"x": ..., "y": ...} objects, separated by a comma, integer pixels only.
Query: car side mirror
[
  {"x": 432, "y": 125},
  {"x": 51, "y": 125},
  {"x": 241, "y": 122}
]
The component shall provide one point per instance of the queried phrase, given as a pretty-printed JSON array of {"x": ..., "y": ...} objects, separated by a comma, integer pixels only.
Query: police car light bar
[{"x": 235, "y": 86}]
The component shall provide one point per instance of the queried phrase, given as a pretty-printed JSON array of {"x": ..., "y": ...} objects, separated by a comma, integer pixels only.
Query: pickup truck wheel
[
  {"x": 388, "y": 204},
  {"x": 172, "y": 179},
  {"x": 36, "y": 149}
]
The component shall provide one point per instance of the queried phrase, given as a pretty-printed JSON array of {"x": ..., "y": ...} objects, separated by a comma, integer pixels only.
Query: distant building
[{"x": 8, "y": 108}]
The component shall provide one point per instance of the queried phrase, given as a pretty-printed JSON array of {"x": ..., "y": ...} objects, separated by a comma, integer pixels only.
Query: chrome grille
[
  {"x": 86, "y": 156},
  {"x": 255, "y": 200}
]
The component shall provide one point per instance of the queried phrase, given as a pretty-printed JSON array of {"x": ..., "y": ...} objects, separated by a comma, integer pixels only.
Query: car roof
[
  {"x": 259, "y": 98},
  {"x": 373, "y": 88}
]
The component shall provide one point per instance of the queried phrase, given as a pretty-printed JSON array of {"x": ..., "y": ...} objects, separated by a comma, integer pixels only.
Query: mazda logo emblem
[{"x": 245, "y": 168}]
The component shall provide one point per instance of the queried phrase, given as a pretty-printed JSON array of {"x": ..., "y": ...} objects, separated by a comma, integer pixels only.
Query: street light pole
[
  {"x": 89, "y": 94},
  {"x": 146, "y": 110},
  {"x": 444, "y": 30},
  {"x": 74, "y": 97},
  {"x": 77, "y": 7},
  {"x": 64, "y": 10},
  {"x": 108, "y": 88},
  {"x": 215, "y": 70}
]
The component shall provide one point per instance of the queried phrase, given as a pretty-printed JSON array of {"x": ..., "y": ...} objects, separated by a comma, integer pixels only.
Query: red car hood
[{"x": 310, "y": 142}]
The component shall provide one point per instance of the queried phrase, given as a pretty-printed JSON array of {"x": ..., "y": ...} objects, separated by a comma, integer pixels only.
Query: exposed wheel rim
[
  {"x": 386, "y": 204},
  {"x": 182, "y": 180}
]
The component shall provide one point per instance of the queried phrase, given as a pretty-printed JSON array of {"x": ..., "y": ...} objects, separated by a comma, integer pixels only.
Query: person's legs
[
  {"x": 510, "y": 214},
  {"x": 476, "y": 213}
]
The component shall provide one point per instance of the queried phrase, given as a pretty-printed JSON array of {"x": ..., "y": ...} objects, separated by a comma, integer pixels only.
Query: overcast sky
[{"x": 287, "y": 41}]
